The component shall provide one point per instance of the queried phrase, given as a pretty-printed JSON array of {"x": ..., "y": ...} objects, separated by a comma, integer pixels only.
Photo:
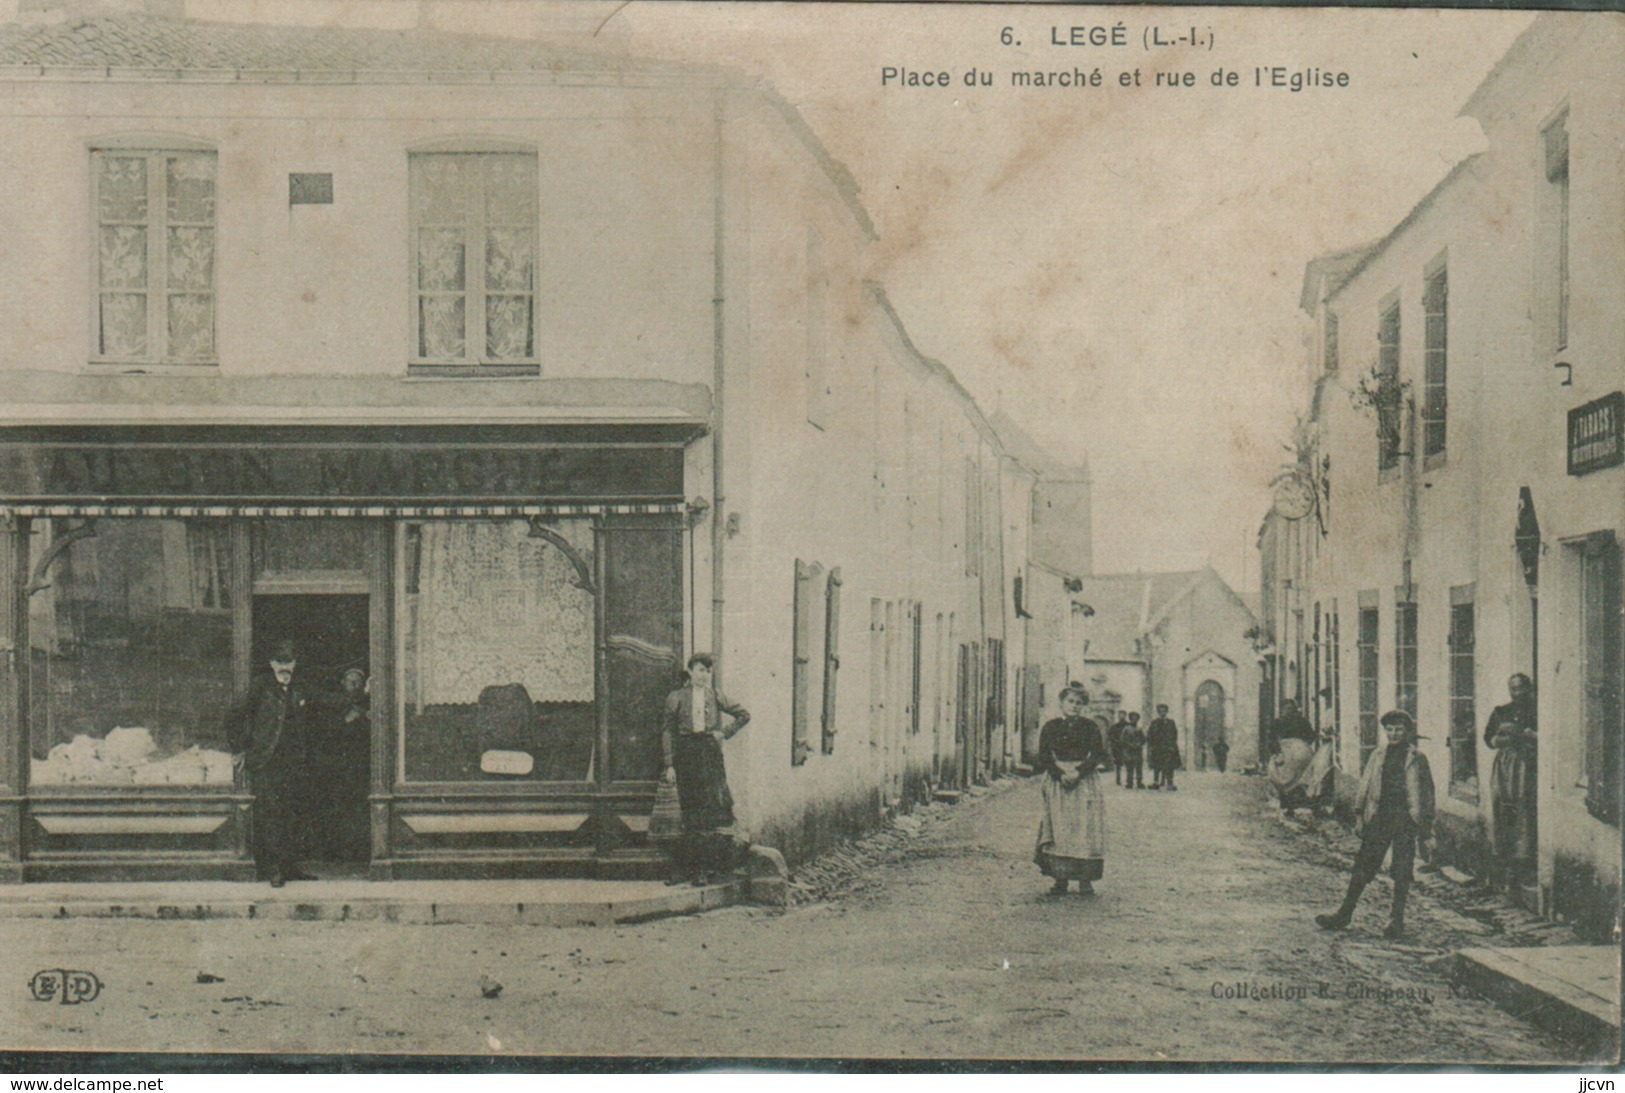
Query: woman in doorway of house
[
  {"x": 340, "y": 760},
  {"x": 1072, "y": 829},
  {"x": 1511, "y": 733},
  {"x": 691, "y": 744}
]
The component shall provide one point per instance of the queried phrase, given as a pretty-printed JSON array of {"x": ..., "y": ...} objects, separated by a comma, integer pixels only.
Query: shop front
[{"x": 507, "y": 602}]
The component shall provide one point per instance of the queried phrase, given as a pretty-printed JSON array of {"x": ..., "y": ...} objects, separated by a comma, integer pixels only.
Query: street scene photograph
[{"x": 810, "y": 534}]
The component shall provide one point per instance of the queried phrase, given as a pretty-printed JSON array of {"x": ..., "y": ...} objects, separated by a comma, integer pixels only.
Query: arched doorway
[{"x": 1210, "y": 727}]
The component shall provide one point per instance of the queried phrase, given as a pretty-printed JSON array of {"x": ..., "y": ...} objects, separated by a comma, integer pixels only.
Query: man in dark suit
[
  {"x": 266, "y": 733},
  {"x": 1162, "y": 746},
  {"x": 1114, "y": 744}
]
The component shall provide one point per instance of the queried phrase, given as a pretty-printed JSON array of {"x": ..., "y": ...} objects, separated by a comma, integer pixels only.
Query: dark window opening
[
  {"x": 1367, "y": 656},
  {"x": 1463, "y": 711}
]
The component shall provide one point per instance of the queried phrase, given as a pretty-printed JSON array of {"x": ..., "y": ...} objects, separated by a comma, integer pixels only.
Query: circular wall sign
[{"x": 1294, "y": 497}]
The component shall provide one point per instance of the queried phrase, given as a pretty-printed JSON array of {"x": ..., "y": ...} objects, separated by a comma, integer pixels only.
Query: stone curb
[
  {"x": 680, "y": 901},
  {"x": 1534, "y": 995}
]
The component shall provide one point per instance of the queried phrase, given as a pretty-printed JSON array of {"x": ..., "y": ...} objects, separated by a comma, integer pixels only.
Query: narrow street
[{"x": 953, "y": 949}]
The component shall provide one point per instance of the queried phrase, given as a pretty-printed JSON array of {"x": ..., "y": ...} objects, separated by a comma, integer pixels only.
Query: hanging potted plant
[{"x": 1382, "y": 394}]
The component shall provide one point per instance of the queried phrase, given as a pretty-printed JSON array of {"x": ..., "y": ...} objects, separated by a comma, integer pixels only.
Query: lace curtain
[
  {"x": 480, "y": 206},
  {"x": 497, "y": 607},
  {"x": 168, "y": 249}
]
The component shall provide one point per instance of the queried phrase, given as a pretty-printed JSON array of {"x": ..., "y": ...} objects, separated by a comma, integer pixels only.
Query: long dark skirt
[
  {"x": 708, "y": 806},
  {"x": 1512, "y": 781}
]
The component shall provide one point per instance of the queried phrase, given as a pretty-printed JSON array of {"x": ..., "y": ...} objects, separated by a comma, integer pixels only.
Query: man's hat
[{"x": 284, "y": 650}]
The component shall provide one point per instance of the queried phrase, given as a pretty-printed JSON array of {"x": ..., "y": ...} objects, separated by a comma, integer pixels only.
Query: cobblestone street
[{"x": 1198, "y": 946}]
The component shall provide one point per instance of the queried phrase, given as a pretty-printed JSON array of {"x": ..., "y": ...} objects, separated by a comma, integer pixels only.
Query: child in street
[
  {"x": 1394, "y": 805},
  {"x": 1132, "y": 745}
]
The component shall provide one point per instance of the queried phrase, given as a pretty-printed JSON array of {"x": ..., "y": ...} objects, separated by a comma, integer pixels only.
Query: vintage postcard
[{"x": 810, "y": 531}]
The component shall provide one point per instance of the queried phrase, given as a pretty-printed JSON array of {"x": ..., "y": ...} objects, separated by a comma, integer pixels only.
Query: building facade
[
  {"x": 508, "y": 374},
  {"x": 1463, "y": 448},
  {"x": 1140, "y": 640}
]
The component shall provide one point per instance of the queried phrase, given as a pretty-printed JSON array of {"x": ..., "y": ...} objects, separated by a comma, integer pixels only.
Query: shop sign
[
  {"x": 218, "y": 472},
  {"x": 1596, "y": 439}
]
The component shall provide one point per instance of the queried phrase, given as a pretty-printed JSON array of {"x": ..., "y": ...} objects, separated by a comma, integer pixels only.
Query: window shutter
[
  {"x": 801, "y": 639},
  {"x": 1600, "y": 595},
  {"x": 918, "y": 657},
  {"x": 832, "y": 655}
]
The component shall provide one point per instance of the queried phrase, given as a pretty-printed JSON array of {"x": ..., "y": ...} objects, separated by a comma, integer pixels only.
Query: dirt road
[{"x": 1198, "y": 946}]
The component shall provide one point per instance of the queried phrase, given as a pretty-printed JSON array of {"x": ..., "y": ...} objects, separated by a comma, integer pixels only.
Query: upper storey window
[
  {"x": 1389, "y": 418},
  {"x": 474, "y": 259},
  {"x": 1554, "y": 215},
  {"x": 155, "y": 256}
]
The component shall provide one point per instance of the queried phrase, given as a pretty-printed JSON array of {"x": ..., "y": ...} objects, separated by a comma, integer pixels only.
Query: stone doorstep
[
  {"x": 532, "y": 903},
  {"x": 1536, "y": 984}
]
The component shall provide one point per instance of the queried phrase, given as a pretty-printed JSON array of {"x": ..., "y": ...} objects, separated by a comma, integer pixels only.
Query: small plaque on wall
[{"x": 310, "y": 189}]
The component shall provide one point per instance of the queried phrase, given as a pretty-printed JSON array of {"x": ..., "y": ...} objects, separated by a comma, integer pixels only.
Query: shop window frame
[
  {"x": 33, "y": 570},
  {"x": 407, "y": 572}
]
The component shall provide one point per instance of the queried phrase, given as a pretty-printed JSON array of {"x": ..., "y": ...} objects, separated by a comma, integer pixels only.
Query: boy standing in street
[
  {"x": 1132, "y": 751},
  {"x": 1395, "y": 806},
  {"x": 1114, "y": 745}
]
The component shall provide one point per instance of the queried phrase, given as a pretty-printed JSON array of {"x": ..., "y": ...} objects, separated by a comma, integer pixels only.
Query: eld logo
[{"x": 68, "y": 987}]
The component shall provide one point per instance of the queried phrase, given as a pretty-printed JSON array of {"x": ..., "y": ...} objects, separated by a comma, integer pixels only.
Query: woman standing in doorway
[
  {"x": 1512, "y": 734},
  {"x": 691, "y": 744},
  {"x": 1072, "y": 829}
]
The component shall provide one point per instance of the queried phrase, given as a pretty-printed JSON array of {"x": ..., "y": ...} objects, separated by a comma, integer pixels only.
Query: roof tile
[{"x": 148, "y": 42}]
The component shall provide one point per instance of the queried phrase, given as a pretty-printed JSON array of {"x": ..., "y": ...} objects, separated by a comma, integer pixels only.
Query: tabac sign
[{"x": 1595, "y": 436}]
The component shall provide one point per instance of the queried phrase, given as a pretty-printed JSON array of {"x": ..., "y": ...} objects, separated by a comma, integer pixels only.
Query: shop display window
[
  {"x": 496, "y": 624},
  {"x": 130, "y": 635},
  {"x": 643, "y": 615},
  {"x": 496, "y": 657}
]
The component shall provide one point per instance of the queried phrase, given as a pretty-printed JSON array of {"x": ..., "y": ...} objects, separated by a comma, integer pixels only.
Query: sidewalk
[
  {"x": 1572, "y": 990},
  {"x": 504, "y": 902},
  {"x": 1535, "y": 969}
]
